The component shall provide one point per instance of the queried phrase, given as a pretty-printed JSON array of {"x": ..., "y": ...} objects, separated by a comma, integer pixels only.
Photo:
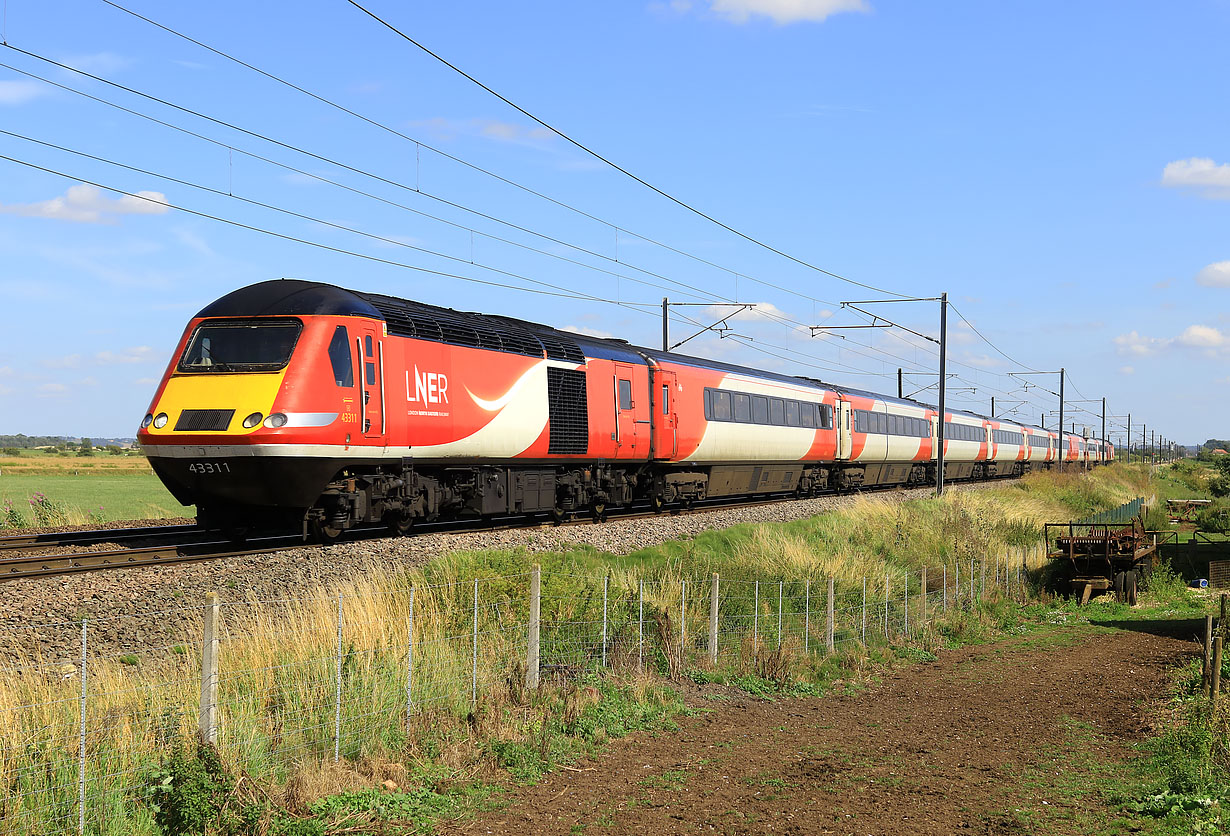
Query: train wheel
[
  {"x": 400, "y": 524},
  {"x": 598, "y": 511},
  {"x": 1117, "y": 583},
  {"x": 1129, "y": 588},
  {"x": 558, "y": 516},
  {"x": 324, "y": 533},
  {"x": 656, "y": 503}
]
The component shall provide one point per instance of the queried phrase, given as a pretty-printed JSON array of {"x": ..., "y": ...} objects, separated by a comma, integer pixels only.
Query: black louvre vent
[
  {"x": 495, "y": 333},
  {"x": 201, "y": 420},
  {"x": 568, "y": 412}
]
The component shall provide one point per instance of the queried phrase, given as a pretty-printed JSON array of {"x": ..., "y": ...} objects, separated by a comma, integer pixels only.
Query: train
[{"x": 301, "y": 403}]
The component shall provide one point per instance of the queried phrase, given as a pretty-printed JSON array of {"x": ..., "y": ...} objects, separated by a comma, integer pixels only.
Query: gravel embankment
[{"x": 132, "y": 610}]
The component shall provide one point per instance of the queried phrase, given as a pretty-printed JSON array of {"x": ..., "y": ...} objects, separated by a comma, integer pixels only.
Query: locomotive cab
[{"x": 260, "y": 378}]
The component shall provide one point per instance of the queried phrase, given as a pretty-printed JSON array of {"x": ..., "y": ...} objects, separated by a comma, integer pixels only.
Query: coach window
[
  {"x": 792, "y": 413},
  {"x": 760, "y": 409},
  {"x": 742, "y": 405},
  {"x": 777, "y": 412},
  {"x": 826, "y": 417},
  {"x": 339, "y": 356},
  {"x": 666, "y": 400},
  {"x": 721, "y": 406},
  {"x": 625, "y": 394},
  {"x": 807, "y": 415}
]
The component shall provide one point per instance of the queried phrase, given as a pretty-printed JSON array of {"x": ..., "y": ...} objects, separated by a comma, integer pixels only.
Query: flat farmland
[{"x": 83, "y": 489}]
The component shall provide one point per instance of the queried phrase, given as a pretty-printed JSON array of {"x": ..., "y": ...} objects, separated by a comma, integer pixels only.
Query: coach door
[
  {"x": 665, "y": 419},
  {"x": 625, "y": 416},
  {"x": 371, "y": 381},
  {"x": 845, "y": 440}
]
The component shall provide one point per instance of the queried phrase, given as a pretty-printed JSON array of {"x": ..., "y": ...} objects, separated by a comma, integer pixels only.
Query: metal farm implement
[{"x": 1111, "y": 550}]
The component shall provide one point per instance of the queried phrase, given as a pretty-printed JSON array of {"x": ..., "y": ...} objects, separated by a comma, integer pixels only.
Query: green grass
[{"x": 86, "y": 497}]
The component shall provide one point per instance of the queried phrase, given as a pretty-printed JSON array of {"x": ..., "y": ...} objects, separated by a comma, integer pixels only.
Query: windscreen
[{"x": 231, "y": 345}]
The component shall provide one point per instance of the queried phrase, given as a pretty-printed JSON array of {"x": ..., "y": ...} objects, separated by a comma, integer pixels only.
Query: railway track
[{"x": 188, "y": 544}]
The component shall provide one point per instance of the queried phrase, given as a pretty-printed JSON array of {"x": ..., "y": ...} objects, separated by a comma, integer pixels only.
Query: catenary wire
[
  {"x": 607, "y": 161},
  {"x": 487, "y": 172}
]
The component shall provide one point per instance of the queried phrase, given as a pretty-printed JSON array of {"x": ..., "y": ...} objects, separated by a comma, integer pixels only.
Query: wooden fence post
[
  {"x": 207, "y": 719},
  {"x": 1216, "y": 687}
]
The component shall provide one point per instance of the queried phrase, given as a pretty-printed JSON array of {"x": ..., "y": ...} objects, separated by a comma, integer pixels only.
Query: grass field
[{"x": 81, "y": 490}]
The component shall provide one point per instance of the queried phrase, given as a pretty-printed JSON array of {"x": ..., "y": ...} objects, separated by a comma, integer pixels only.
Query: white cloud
[
  {"x": 145, "y": 381},
  {"x": 1211, "y": 341},
  {"x": 1127, "y": 370},
  {"x": 784, "y": 12},
  {"x": 1216, "y": 274},
  {"x": 1134, "y": 344},
  {"x": 20, "y": 92},
  {"x": 83, "y": 203},
  {"x": 51, "y": 390},
  {"x": 985, "y": 361},
  {"x": 1201, "y": 173},
  {"x": 135, "y": 354},
  {"x": 68, "y": 361},
  {"x": 1201, "y": 336},
  {"x": 6, "y": 371}
]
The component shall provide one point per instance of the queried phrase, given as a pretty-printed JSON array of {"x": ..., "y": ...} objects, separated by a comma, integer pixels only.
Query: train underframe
[{"x": 399, "y": 494}]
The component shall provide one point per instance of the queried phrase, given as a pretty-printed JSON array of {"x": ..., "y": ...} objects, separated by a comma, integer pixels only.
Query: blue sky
[{"x": 1060, "y": 169}]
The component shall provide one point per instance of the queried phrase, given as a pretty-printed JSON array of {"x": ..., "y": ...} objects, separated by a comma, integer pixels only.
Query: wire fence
[{"x": 277, "y": 684}]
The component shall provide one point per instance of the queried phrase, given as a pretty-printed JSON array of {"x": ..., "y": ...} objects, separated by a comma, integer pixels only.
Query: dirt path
[{"x": 1007, "y": 738}]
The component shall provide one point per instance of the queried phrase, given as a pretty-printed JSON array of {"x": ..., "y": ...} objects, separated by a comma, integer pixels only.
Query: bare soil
[{"x": 1016, "y": 737}]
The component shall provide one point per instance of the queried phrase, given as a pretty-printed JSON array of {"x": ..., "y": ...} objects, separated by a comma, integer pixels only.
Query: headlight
[
  {"x": 275, "y": 420},
  {"x": 252, "y": 420},
  {"x": 160, "y": 420},
  {"x": 147, "y": 420}
]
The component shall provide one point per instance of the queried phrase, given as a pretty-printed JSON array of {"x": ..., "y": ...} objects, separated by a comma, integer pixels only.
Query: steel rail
[{"x": 101, "y": 535}]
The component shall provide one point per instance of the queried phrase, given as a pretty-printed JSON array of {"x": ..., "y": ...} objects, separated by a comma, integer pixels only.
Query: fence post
[
  {"x": 207, "y": 717},
  {"x": 533, "y": 660},
  {"x": 84, "y": 672},
  {"x": 1206, "y": 663},
  {"x": 1216, "y": 687},
  {"x": 756, "y": 619},
  {"x": 337, "y": 692},
  {"x": 640, "y": 626},
  {"x": 713, "y": 619},
  {"x": 606, "y": 580},
  {"x": 474, "y": 654},
  {"x": 829, "y": 642},
  {"x": 944, "y": 573},
  {"x": 410, "y": 658},
  {"x": 807, "y": 615},
  {"x": 863, "y": 630},
  {"x": 780, "y": 586},
  {"x": 922, "y": 593}
]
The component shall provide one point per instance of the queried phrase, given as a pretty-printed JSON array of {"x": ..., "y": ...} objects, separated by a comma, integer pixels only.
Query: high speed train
[{"x": 297, "y": 402}]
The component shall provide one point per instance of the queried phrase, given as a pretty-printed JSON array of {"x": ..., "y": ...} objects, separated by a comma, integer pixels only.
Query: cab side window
[
  {"x": 339, "y": 357},
  {"x": 625, "y": 394}
]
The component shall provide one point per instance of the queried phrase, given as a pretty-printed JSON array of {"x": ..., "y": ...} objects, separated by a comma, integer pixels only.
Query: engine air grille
[
  {"x": 405, "y": 318},
  {"x": 204, "y": 420},
  {"x": 568, "y": 412}
]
